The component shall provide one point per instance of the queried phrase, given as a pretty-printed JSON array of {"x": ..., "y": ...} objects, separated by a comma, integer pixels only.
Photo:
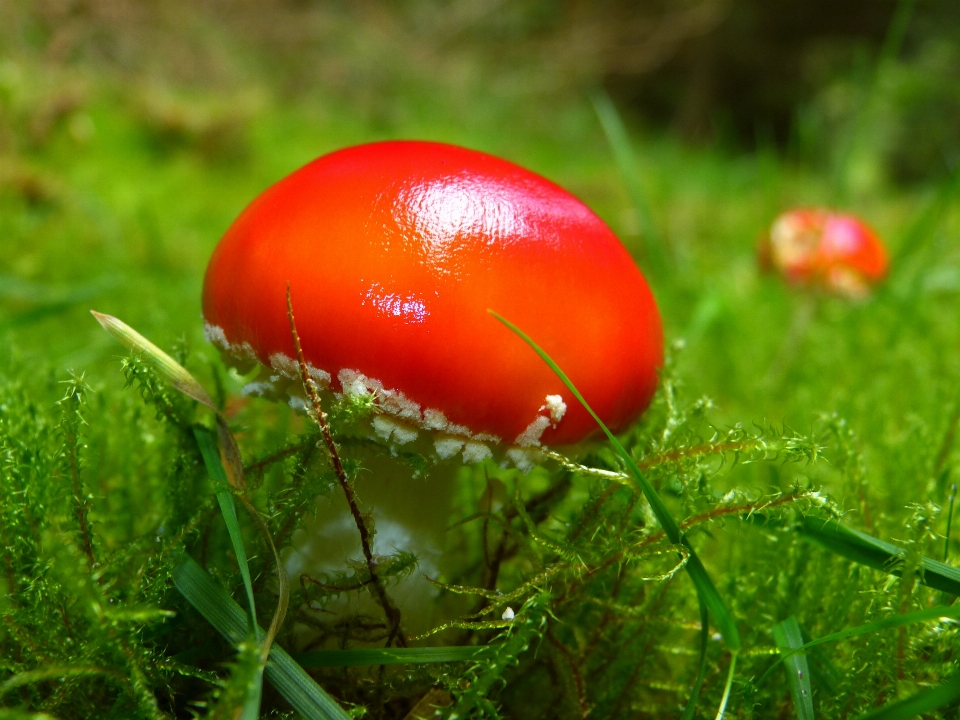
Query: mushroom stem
[
  {"x": 389, "y": 609},
  {"x": 412, "y": 516}
]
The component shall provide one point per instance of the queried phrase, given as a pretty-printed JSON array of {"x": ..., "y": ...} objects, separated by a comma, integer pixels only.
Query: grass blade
[
  {"x": 626, "y": 160},
  {"x": 181, "y": 379},
  {"x": 922, "y": 702},
  {"x": 706, "y": 590},
  {"x": 224, "y": 465},
  {"x": 172, "y": 371},
  {"x": 216, "y": 605},
  {"x": 219, "y": 469},
  {"x": 875, "y": 553},
  {"x": 934, "y": 613},
  {"x": 211, "y": 459},
  {"x": 389, "y": 656},
  {"x": 946, "y": 534},
  {"x": 787, "y": 636}
]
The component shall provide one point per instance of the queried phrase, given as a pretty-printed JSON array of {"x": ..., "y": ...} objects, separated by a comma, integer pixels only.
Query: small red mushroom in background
[
  {"x": 818, "y": 247},
  {"x": 394, "y": 252}
]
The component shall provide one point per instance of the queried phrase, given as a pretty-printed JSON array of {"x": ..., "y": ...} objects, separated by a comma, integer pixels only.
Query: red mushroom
[
  {"x": 394, "y": 251},
  {"x": 814, "y": 246}
]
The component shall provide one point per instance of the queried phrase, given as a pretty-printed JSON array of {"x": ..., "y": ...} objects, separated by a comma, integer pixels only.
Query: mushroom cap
[
  {"x": 836, "y": 250},
  {"x": 394, "y": 251}
]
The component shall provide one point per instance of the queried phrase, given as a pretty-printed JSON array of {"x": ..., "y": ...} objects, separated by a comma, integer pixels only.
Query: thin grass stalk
[
  {"x": 391, "y": 611},
  {"x": 691, "y": 705},
  {"x": 946, "y": 535},
  {"x": 722, "y": 710},
  {"x": 694, "y": 567}
]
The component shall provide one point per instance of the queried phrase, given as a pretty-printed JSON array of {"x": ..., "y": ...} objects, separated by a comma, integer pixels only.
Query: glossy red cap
[
  {"x": 394, "y": 251},
  {"x": 837, "y": 251}
]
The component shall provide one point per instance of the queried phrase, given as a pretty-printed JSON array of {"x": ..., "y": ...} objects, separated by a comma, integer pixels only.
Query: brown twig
[
  {"x": 537, "y": 507},
  {"x": 694, "y": 451},
  {"x": 366, "y": 538}
]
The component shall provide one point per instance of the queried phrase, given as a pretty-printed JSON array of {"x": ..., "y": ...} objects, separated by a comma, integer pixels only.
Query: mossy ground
[{"x": 775, "y": 401}]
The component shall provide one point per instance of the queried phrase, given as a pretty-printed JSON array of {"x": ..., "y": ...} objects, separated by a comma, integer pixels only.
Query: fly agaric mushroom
[
  {"x": 814, "y": 246},
  {"x": 393, "y": 252}
]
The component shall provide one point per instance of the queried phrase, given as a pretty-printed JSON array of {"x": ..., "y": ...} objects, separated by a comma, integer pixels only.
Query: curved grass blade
[
  {"x": 172, "y": 371},
  {"x": 218, "y": 471},
  {"x": 211, "y": 459},
  {"x": 788, "y": 638},
  {"x": 389, "y": 656},
  {"x": 918, "y": 236},
  {"x": 875, "y": 553},
  {"x": 181, "y": 379},
  {"x": 224, "y": 466},
  {"x": 922, "y": 702},
  {"x": 946, "y": 535},
  {"x": 823, "y": 670},
  {"x": 706, "y": 590},
  {"x": 941, "y": 611},
  {"x": 291, "y": 680}
]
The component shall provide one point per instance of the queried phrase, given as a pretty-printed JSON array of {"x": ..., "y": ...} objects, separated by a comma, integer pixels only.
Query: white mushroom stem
[{"x": 409, "y": 514}]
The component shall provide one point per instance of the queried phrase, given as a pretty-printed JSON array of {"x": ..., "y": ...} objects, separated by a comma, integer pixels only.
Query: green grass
[{"x": 781, "y": 418}]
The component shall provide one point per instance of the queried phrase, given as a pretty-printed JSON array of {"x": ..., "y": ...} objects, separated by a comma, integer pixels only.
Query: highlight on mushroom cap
[
  {"x": 836, "y": 251},
  {"x": 394, "y": 252}
]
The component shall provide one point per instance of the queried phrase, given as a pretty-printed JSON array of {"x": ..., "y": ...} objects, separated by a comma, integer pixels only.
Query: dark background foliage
[{"x": 740, "y": 72}]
